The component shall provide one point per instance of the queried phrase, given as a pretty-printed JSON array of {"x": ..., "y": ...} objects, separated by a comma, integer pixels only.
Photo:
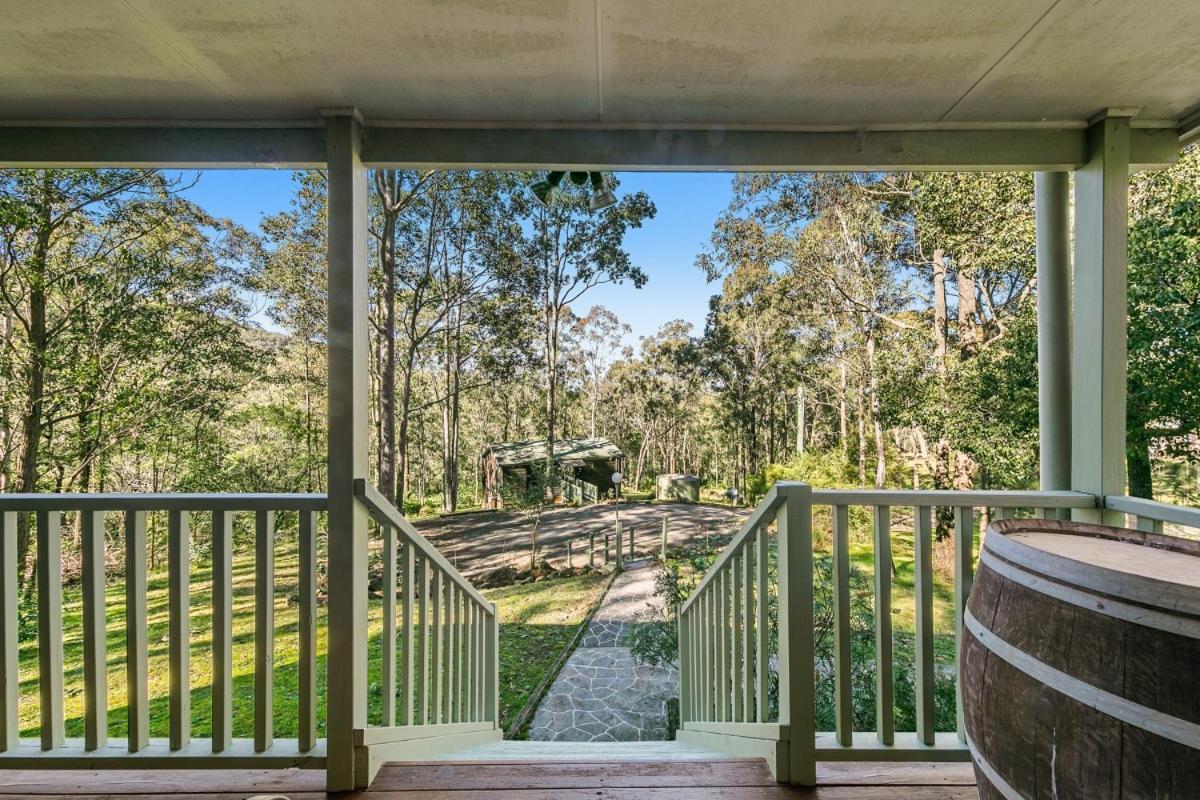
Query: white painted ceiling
[{"x": 703, "y": 62}]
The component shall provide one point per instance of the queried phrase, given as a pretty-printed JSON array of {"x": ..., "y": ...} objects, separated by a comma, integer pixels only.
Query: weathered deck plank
[{"x": 736, "y": 779}]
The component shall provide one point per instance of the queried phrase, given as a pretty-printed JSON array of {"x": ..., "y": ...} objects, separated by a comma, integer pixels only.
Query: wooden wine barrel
[{"x": 1080, "y": 663}]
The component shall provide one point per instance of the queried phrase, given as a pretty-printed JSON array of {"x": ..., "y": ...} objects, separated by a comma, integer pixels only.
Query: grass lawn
[{"x": 537, "y": 620}]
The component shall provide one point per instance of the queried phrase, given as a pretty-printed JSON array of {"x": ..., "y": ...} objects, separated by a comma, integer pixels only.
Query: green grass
[{"x": 537, "y": 620}]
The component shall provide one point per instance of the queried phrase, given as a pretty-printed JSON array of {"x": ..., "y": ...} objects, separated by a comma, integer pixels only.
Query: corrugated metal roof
[{"x": 511, "y": 454}]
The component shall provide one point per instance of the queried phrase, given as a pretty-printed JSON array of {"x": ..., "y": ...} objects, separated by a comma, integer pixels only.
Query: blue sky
[{"x": 666, "y": 247}]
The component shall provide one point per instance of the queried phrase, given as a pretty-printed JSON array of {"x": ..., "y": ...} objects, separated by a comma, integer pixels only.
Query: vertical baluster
[
  {"x": 447, "y": 676},
  {"x": 794, "y": 562},
  {"x": 480, "y": 672},
  {"x": 136, "y": 653},
  {"x": 697, "y": 621},
  {"x": 179, "y": 635},
  {"x": 264, "y": 630},
  {"x": 683, "y": 636},
  {"x": 468, "y": 662},
  {"x": 423, "y": 661},
  {"x": 95, "y": 646},
  {"x": 722, "y": 586},
  {"x": 50, "y": 648},
  {"x": 406, "y": 651},
  {"x": 762, "y": 649},
  {"x": 735, "y": 628},
  {"x": 885, "y": 713},
  {"x": 438, "y": 669},
  {"x": 709, "y": 669},
  {"x": 748, "y": 631},
  {"x": 307, "y": 625},
  {"x": 1148, "y": 524},
  {"x": 456, "y": 652},
  {"x": 222, "y": 638},
  {"x": 388, "y": 666},
  {"x": 923, "y": 575},
  {"x": 493, "y": 667},
  {"x": 10, "y": 684},
  {"x": 843, "y": 705},
  {"x": 964, "y": 545}
]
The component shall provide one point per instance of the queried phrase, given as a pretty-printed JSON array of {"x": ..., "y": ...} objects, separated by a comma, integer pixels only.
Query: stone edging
[{"x": 525, "y": 715}]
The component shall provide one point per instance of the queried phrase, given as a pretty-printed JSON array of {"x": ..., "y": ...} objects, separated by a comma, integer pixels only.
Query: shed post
[{"x": 1098, "y": 346}]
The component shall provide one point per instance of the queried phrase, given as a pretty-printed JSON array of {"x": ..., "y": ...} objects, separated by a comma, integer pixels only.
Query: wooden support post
[
  {"x": 137, "y": 652},
  {"x": 95, "y": 650},
  {"x": 1054, "y": 329},
  {"x": 1098, "y": 342},
  {"x": 179, "y": 552},
  {"x": 591, "y": 550},
  {"x": 665, "y": 526},
  {"x": 348, "y": 355},
  {"x": 10, "y": 685},
  {"x": 796, "y": 698}
]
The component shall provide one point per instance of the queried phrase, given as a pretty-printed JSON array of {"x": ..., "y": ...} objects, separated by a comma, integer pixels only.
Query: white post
[
  {"x": 1054, "y": 328},
  {"x": 1098, "y": 320},
  {"x": 348, "y": 356}
]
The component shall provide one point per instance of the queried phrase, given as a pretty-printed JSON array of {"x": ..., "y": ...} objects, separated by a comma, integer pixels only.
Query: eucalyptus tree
[
  {"x": 599, "y": 335},
  {"x": 567, "y": 251},
  {"x": 124, "y": 300}
]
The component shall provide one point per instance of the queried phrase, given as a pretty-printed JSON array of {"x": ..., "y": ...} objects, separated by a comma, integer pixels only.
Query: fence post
[
  {"x": 592, "y": 550},
  {"x": 796, "y": 700},
  {"x": 664, "y": 540},
  {"x": 620, "y": 560},
  {"x": 607, "y": 548},
  {"x": 570, "y": 557},
  {"x": 632, "y": 532}
]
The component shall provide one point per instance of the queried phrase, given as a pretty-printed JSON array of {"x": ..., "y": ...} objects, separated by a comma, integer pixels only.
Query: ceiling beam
[{"x": 1043, "y": 149}]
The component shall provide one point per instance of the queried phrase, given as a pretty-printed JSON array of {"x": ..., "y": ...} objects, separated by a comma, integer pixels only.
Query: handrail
[
  {"x": 724, "y": 626},
  {"x": 952, "y": 498},
  {"x": 761, "y": 513},
  {"x": 383, "y": 511},
  {"x": 169, "y": 501},
  {"x": 1153, "y": 509}
]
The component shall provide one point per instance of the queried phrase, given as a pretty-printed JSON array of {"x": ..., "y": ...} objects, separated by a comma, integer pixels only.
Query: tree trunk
[
  {"x": 387, "y": 366},
  {"x": 843, "y": 422},
  {"x": 968, "y": 315},
  {"x": 35, "y": 374},
  {"x": 939, "y": 309},
  {"x": 1138, "y": 465},
  {"x": 876, "y": 423}
]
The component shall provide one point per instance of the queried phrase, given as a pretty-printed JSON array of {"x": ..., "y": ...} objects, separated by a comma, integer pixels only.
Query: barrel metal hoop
[
  {"x": 994, "y": 778},
  {"x": 1127, "y": 711},
  {"x": 1101, "y": 604}
]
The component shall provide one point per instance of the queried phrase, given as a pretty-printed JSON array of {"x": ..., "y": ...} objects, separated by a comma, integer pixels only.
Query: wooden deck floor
[{"x": 728, "y": 779}]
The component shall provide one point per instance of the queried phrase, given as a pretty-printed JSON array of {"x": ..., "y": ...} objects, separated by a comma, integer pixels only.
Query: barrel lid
[{"x": 1153, "y": 570}]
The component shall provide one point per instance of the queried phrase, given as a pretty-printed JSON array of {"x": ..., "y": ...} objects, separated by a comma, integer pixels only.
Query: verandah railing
[
  {"x": 445, "y": 681},
  {"x": 184, "y": 514},
  {"x": 747, "y": 657},
  {"x": 439, "y": 639}
]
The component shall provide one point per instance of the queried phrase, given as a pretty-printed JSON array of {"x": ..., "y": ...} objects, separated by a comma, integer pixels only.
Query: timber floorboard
[{"x": 724, "y": 778}]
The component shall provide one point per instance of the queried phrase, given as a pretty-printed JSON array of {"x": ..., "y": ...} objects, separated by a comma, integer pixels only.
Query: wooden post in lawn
[
  {"x": 607, "y": 548},
  {"x": 617, "y": 535},
  {"x": 592, "y": 550},
  {"x": 348, "y": 355},
  {"x": 666, "y": 522}
]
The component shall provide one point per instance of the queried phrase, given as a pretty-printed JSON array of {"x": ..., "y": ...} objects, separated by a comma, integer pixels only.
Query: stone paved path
[{"x": 602, "y": 694}]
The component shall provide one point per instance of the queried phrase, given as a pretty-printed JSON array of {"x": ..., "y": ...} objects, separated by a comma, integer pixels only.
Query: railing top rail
[
  {"x": 1164, "y": 512},
  {"x": 954, "y": 498},
  {"x": 383, "y": 511},
  {"x": 770, "y": 503},
  {"x": 167, "y": 501}
]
